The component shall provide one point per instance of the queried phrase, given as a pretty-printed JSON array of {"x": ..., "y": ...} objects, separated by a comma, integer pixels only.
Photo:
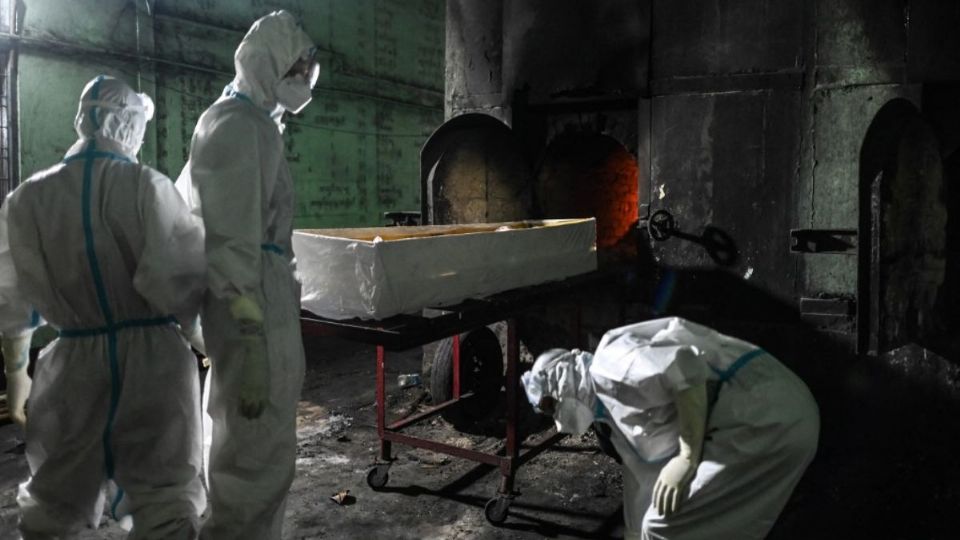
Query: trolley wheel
[
  {"x": 481, "y": 372},
  {"x": 496, "y": 510},
  {"x": 378, "y": 476}
]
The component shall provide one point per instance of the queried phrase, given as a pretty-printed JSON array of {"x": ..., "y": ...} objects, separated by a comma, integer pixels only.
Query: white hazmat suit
[
  {"x": 107, "y": 252},
  {"x": 761, "y": 432},
  {"x": 238, "y": 181}
]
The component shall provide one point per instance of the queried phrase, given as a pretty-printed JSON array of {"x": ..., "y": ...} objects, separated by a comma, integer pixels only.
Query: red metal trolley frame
[{"x": 403, "y": 332}]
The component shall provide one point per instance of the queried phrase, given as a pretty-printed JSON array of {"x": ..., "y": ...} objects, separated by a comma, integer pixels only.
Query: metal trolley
[{"x": 403, "y": 332}]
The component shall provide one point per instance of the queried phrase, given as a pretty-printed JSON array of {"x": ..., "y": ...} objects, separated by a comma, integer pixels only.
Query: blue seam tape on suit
[
  {"x": 600, "y": 411},
  {"x": 116, "y": 502},
  {"x": 104, "y": 305},
  {"x": 727, "y": 374},
  {"x": 111, "y": 328},
  {"x": 232, "y": 92},
  {"x": 273, "y": 248}
]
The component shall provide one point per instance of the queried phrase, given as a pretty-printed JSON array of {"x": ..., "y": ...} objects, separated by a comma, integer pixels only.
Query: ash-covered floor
[
  {"x": 886, "y": 467},
  {"x": 571, "y": 491},
  {"x": 428, "y": 495}
]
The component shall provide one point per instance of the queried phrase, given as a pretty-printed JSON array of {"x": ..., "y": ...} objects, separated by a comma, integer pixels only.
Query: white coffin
[{"x": 374, "y": 273}]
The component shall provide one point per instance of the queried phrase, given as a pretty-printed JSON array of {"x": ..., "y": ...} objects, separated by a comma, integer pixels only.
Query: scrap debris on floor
[
  {"x": 859, "y": 485},
  {"x": 428, "y": 495}
]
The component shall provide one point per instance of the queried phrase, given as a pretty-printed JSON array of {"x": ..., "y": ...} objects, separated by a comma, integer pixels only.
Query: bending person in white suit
[{"x": 714, "y": 433}]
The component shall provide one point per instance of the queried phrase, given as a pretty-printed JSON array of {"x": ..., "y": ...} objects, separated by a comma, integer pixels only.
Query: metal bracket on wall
[
  {"x": 829, "y": 313},
  {"x": 842, "y": 241},
  {"x": 643, "y": 210}
]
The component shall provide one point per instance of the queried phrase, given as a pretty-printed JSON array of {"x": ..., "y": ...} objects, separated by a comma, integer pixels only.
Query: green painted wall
[{"x": 354, "y": 152}]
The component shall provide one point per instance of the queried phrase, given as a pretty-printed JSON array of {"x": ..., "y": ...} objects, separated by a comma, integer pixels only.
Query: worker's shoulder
[
  {"x": 43, "y": 174},
  {"x": 47, "y": 180},
  {"x": 149, "y": 174},
  {"x": 33, "y": 187},
  {"x": 146, "y": 178},
  {"x": 232, "y": 116},
  {"x": 42, "y": 177},
  {"x": 122, "y": 168}
]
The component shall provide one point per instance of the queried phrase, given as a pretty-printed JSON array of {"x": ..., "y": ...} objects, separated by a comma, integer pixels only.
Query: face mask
[{"x": 293, "y": 93}]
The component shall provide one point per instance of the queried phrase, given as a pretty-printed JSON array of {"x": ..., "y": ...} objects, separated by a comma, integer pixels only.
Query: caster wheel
[
  {"x": 378, "y": 477},
  {"x": 496, "y": 510}
]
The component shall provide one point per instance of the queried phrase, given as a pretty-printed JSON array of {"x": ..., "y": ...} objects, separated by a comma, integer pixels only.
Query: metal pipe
[
  {"x": 428, "y": 413},
  {"x": 382, "y": 405},
  {"x": 60, "y": 47},
  {"x": 55, "y": 46},
  {"x": 508, "y": 465},
  {"x": 436, "y": 446}
]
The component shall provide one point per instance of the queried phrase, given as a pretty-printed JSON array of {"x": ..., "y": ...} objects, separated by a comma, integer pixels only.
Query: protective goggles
[{"x": 306, "y": 67}]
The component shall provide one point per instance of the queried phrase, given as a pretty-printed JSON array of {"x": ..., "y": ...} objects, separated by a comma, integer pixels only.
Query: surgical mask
[{"x": 293, "y": 93}]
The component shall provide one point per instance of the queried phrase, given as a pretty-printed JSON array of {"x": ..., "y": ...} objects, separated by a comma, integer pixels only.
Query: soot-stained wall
[
  {"x": 750, "y": 117},
  {"x": 354, "y": 151}
]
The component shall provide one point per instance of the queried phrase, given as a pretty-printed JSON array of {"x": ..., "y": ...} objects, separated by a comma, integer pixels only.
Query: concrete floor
[
  {"x": 428, "y": 495},
  {"x": 886, "y": 467}
]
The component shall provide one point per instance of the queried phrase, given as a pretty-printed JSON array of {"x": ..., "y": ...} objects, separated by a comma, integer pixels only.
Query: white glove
[
  {"x": 674, "y": 478},
  {"x": 250, "y": 348},
  {"x": 677, "y": 474},
  {"x": 16, "y": 358}
]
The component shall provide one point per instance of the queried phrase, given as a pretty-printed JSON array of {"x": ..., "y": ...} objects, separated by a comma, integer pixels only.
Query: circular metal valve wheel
[{"x": 661, "y": 225}]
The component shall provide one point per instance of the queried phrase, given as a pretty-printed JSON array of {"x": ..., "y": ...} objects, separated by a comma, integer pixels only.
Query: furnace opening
[{"x": 591, "y": 175}]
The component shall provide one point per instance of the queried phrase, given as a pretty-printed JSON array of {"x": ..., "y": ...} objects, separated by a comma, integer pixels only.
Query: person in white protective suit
[
  {"x": 105, "y": 250},
  {"x": 713, "y": 432},
  {"x": 238, "y": 181}
]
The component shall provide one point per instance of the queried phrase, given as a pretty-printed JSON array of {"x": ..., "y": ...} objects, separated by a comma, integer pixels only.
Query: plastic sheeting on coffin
[{"x": 374, "y": 273}]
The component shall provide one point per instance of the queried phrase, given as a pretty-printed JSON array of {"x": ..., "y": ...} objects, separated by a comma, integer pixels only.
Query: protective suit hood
[
  {"x": 267, "y": 52},
  {"x": 114, "y": 115},
  {"x": 563, "y": 375}
]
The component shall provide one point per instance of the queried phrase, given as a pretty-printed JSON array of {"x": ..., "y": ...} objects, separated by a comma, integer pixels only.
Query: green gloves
[
  {"x": 677, "y": 474},
  {"x": 250, "y": 348},
  {"x": 16, "y": 358}
]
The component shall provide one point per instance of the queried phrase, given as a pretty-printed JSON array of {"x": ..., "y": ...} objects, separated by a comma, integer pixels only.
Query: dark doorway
[{"x": 902, "y": 237}]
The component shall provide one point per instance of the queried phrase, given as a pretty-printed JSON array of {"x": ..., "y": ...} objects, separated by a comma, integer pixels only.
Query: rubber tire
[
  {"x": 496, "y": 510},
  {"x": 481, "y": 371},
  {"x": 377, "y": 479}
]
